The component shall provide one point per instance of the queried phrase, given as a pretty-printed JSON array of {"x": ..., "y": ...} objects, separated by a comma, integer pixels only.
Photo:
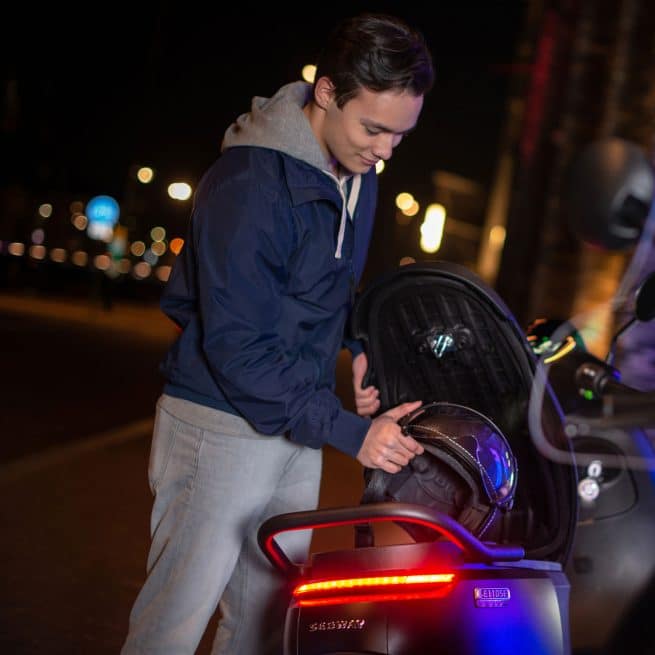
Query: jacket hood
[{"x": 280, "y": 124}]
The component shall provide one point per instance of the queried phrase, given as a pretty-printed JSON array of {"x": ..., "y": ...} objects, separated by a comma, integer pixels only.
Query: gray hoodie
[{"x": 279, "y": 123}]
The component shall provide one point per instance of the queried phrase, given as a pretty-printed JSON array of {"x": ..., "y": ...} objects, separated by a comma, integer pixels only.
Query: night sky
[{"x": 97, "y": 91}]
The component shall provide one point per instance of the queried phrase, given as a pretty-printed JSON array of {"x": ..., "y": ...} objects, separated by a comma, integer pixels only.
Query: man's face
[{"x": 368, "y": 127}]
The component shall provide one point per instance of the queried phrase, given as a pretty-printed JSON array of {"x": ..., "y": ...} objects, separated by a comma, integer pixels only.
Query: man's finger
[
  {"x": 401, "y": 458},
  {"x": 390, "y": 467},
  {"x": 368, "y": 404},
  {"x": 400, "y": 410},
  {"x": 369, "y": 392},
  {"x": 411, "y": 444},
  {"x": 360, "y": 365}
]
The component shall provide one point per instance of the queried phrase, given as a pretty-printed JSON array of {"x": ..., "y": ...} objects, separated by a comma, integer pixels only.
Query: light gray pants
[{"x": 215, "y": 481}]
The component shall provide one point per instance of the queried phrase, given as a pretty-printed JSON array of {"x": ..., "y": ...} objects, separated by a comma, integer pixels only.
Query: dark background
[{"x": 89, "y": 94}]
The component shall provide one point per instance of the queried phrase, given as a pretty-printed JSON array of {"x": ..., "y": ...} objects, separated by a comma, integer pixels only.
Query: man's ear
[{"x": 323, "y": 92}]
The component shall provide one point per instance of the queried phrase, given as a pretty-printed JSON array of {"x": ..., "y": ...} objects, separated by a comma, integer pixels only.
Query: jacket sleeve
[
  {"x": 178, "y": 300},
  {"x": 355, "y": 346},
  {"x": 244, "y": 238}
]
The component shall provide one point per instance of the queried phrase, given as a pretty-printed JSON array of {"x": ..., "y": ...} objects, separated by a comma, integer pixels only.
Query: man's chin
[{"x": 358, "y": 168}]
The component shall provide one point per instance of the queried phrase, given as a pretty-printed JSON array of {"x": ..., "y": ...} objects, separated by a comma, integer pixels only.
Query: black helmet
[{"x": 467, "y": 471}]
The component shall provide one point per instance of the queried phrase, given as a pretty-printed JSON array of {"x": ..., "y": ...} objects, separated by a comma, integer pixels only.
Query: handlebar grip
[{"x": 601, "y": 379}]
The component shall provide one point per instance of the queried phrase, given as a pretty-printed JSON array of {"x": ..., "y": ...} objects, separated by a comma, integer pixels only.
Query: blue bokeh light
[{"x": 103, "y": 209}]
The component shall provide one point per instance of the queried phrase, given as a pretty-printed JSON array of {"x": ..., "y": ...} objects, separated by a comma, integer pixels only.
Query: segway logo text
[
  {"x": 344, "y": 624},
  {"x": 491, "y": 596}
]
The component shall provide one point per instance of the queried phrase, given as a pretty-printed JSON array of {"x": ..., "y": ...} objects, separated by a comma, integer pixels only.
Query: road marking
[{"x": 57, "y": 455}]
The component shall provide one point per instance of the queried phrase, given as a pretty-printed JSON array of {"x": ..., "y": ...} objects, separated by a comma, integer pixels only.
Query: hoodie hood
[{"x": 280, "y": 124}]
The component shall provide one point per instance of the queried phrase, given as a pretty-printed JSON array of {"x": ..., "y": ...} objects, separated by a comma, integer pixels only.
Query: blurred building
[
  {"x": 465, "y": 200},
  {"x": 584, "y": 70}
]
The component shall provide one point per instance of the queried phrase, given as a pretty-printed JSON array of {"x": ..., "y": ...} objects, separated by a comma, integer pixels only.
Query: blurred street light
[
  {"x": 404, "y": 201},
  {"x": 145, "y": 174},
  {"x": 103, "y": 213},
  {"x": 179, "y": 191},
  {"x": 309, "y": 73},
  {"x": 432, "y": 228}
]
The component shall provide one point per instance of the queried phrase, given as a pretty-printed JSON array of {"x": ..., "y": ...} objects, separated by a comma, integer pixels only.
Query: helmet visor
[{"x": 472, "y": 437}]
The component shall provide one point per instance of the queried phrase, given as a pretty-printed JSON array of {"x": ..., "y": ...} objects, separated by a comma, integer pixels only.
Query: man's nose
[{"x": 384, "y": 145}]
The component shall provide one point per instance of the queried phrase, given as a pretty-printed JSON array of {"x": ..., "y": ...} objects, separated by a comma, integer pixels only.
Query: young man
[{"x": 262, "y": 291}]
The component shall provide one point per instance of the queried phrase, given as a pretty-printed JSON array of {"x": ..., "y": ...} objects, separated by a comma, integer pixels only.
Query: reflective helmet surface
[{"x": 468, "y": 469}]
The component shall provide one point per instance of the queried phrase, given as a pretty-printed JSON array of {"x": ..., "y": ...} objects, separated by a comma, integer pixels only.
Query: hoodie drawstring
[{"x": 347, "y": 208}]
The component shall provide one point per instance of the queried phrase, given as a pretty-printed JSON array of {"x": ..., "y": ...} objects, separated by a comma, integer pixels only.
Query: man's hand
[
  {"x": 367, "y": 400},
  {"x": 385, "y": 446}
]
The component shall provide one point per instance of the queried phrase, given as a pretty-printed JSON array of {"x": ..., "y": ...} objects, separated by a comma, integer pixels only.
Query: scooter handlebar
[
  {"x": 442, "y": 524},
  {"x": 622, "y": 405}
]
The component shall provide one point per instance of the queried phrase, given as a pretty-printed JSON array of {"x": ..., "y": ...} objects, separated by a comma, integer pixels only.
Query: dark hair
[{"x": 377, "y": 52}]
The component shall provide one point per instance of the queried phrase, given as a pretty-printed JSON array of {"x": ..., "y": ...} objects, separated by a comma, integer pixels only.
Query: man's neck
[{"x": 315, "y": 116}]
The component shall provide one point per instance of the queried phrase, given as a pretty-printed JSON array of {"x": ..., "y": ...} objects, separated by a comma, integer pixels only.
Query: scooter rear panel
[{"x": 510, "y": 607}]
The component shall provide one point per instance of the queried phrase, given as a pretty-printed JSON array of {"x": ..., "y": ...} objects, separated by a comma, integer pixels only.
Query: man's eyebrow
[{"x": 384, "y": 128}]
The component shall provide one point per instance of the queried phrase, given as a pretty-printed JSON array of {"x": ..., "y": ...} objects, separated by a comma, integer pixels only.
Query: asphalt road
[
  {"x": 64, "y": 381},
  {"x": 79, "y": 388}
]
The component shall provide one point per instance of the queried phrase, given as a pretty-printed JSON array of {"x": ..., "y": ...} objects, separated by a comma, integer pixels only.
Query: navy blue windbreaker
[{"x": 261, "y": 298}]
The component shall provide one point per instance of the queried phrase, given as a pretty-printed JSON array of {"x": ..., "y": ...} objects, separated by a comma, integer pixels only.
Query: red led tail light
[{"x": 374, "y": 588}]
